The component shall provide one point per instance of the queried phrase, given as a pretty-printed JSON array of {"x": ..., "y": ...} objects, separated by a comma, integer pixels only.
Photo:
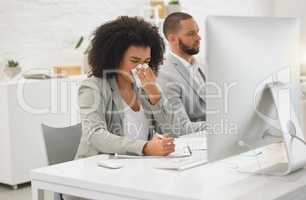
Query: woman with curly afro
[{"x": 117, "y": 116}]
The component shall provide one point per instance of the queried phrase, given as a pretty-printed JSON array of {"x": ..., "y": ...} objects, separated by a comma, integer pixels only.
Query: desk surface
[{"x": 138, "y": 179}]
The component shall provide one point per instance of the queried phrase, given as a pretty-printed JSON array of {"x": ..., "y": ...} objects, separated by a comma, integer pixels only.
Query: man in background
[{"x": 181, "y": 78}]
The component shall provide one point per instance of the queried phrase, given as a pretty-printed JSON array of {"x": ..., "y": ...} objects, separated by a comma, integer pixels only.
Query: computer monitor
[{"x": 243, "y": 54}]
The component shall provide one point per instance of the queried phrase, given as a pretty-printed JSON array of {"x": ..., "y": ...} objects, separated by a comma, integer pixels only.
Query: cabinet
[{"x": 24, "y": 105}]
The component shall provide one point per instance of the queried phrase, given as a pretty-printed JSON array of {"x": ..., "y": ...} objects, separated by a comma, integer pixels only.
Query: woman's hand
[
  {"x": 147, "y": 78},
  {"x": 159, "y": 146}
]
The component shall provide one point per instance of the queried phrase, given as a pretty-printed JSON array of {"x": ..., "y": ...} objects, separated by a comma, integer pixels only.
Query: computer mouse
[{"x": 109, "y": 164}]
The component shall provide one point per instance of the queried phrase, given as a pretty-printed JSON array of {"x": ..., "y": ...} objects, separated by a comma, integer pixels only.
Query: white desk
[{"x": 138, "y": 180}]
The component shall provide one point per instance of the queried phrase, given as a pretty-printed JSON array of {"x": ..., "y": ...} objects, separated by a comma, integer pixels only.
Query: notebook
[{"x": 180, "y": 152}]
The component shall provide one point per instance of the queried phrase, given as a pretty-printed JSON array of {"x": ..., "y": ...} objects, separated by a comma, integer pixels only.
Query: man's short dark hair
[
  {"x": 112, "y": 39},
  {"x": 172, "y": 22}
]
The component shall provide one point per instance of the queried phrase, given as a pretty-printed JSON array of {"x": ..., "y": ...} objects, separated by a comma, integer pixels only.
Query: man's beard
[{"x": 188, "y": 50}]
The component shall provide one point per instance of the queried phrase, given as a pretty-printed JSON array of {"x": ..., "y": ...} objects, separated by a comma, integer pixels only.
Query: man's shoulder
[
  {"x": 167, "y": 70},
  {"x": 167, "y": 76},
  {"x": 169, "y": 65}
]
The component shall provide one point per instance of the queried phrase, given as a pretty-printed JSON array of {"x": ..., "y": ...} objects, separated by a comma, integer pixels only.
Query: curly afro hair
[{"x": 112, "y": 39}]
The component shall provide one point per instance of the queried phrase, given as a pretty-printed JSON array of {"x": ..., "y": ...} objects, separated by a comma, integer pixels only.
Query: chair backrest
[{"x": 61, "y": 143}]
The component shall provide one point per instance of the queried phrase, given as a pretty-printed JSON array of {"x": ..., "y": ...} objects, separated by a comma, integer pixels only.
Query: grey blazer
[
  {"x": 182, "y": 91},
  {"x": 102, "y": 116}
]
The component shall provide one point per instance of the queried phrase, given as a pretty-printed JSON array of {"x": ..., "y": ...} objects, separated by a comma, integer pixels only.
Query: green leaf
[
  {"x": 79, "y": 42},
  {"x": 174, "y": 2},
  {"x": 12, "y": 63}
]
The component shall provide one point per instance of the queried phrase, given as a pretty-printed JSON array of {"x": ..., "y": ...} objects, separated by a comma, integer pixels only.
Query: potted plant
[
  {"x": 12, "y": 68},
  {"x": 173, "y": 6}
]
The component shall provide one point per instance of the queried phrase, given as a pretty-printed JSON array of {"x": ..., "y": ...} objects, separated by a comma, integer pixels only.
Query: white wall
[
  {"x": 42, "y": 33},
  {"x": 200, "y": 9},
  {"x": 295, "y": 8}
]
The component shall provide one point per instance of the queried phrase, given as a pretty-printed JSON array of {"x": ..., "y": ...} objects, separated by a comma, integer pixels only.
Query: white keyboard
[{"x": 182, "y": 164}]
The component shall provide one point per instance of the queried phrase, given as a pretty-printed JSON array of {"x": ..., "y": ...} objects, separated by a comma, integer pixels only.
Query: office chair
[{"x": 61, "y": 145}]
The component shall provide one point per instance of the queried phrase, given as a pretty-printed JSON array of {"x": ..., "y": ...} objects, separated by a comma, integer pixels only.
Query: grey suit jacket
[
  {"x": 102, "y": 115},
  {"x": 184, "y": 93}
]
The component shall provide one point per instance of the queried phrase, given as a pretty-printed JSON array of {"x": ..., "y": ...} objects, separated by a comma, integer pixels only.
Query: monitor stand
[{"x": 292, "y": 134}]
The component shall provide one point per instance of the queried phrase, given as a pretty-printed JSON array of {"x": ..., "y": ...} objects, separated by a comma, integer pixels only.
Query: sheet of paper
[{"x": 195, "y": 142}]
